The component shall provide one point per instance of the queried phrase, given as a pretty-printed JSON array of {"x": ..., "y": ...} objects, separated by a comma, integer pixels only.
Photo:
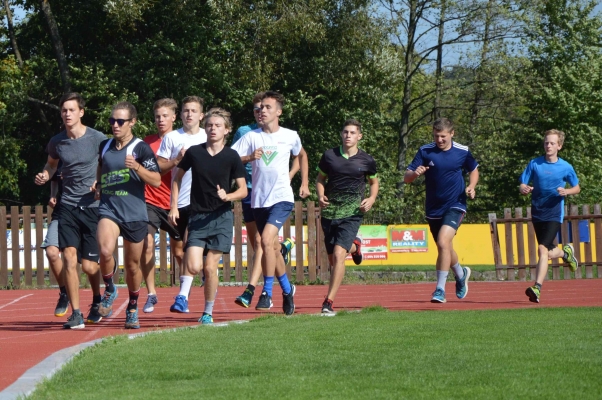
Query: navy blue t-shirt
[
  {"x": 444, "y": 179},
  {"x": 546, "y": 178}
]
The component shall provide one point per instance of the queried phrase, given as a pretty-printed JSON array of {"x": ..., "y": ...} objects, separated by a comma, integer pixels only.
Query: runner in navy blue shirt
[
  {"x": 549, "y": 174},
  {"x": 443, "y": 164}
]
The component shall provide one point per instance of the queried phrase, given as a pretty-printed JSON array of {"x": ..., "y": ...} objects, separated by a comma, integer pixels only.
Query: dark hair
[
  {"x": 126, "y": 105},
  {"x": 219, "y": 112},
  {"x": 193, "y": 99},
  {"x": 270, "y": 94},
  {"x": 443, "y": 124},
  {"x": 81, "y": 103},
  {"x": 353, "y": 122},
  {"x": 257, "y": 98},
  {"x": 167, "y": 102}
]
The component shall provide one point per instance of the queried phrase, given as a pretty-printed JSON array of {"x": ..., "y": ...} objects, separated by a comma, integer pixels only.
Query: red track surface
[{"x": 29, "y": 331}]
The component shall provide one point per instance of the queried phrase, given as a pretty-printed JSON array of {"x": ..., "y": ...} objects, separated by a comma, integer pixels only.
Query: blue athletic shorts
[
  {"x": 275, "y": 215},
  {"x": 247, "y": 211},
  {"x": 452, "y": 217}
]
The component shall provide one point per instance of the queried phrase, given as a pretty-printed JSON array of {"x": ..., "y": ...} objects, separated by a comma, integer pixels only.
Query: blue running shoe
[
  {"x": 206, "y": 319},
  {"x": 149, "y": 306},
  {"x": 245, "y": 299},
  {"x": 131, "y": 319},
  {"x": 438, "y": 296},
  {"x": 180, "y": 305},
  {"x": 462, "y": 284},
  {"x": 106, "y": 304}
]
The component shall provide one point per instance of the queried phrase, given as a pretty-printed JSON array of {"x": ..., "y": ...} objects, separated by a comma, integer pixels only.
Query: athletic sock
[
  {"x": 251, "y": 288},
  {"x": 108, "y": 279},
  {"x": 441, "y": 279},
  {"x": 185, "y": 285},
  {"x": 134, "y": 300},
  {"x": 458, "y": 271},
  {"x": 284, "y": 284},
  {"x": 76, "y": 311},
  {"x": 209, "y": 307},
  {"x": 96, "y": 299},
  {"x": 63, "y": 289},
  {"x": 268, "y": 282},
  {"x": 538, "y": 285}
]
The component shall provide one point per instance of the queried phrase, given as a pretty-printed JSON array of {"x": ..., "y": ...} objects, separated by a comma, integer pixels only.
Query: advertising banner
[
  {"x": 374, "y": 242},
  {"x": 408, "y": 240}
]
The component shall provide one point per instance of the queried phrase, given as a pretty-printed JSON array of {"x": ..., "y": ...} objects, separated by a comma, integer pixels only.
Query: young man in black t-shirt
[
  {"x": 341, "y": 185},
  {"x": 211, "y": 217}
]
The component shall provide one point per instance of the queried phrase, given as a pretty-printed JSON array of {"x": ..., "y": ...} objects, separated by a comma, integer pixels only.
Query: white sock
[
  {"x": 441, "y": 279},
  {"x": 458, "y": 271},
  {"x": 185, "y": 285},
  {"x": 209, "y": 307}
]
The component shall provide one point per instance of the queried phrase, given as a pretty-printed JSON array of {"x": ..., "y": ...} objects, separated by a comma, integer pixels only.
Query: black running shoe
[
  {"x": 94, "y": 316},
  {"x": 264, "y": 303},
  {"x": 327, "y": 307},
  {"x": 62, "y": 305},
  {"x": 288, "y": 303},
  {"x": 75, "y": 321},
  {"x": 357, "y": 255}
]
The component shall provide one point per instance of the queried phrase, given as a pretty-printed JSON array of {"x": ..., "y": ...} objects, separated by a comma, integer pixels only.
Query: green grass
[{"x": 503, "y": 354}]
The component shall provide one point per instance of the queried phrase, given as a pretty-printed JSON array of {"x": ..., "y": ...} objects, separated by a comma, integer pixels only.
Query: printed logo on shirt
[
  {"x": 149, "y": 164},
  {"x": 431, "y": 164},
  {"x": 269, "y": 154}
]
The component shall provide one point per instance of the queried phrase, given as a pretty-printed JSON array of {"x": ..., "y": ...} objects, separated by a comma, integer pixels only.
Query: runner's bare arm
[{"x": 47, "y": 172}]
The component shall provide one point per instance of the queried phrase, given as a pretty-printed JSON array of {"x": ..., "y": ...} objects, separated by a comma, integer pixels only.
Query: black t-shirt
[
  {"x": 209, "y": 171},
  {"x": 346, "y": 181}
]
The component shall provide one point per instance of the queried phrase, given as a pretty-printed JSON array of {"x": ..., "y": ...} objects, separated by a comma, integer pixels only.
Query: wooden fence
[
  {"x": 32, "y": 272},
  {"x": 520, "y": 250}
]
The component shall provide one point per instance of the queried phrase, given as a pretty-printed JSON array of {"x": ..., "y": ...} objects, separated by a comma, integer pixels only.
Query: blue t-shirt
[
  {"x": 546, "y": 178},
  {"x": 444, "y": 179},
  {"x": 243, "y": 130}
]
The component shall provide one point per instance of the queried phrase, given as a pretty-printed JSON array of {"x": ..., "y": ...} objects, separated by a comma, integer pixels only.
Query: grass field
[{"x": 503, "y": 354}]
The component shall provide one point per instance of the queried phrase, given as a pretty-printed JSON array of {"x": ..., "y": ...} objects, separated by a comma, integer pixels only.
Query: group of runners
[{"x": 184, "y": 182}]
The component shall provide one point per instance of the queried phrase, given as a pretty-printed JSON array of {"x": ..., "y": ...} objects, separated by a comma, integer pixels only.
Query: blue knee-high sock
[
  {"x": 268, "y": 282},
  {"x": 284, "y": 284}
]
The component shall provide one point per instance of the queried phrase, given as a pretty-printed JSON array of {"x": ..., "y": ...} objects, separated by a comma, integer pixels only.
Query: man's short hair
[
  {"x": 556, "y": 132},
  {"x": 219, "y": 112},
  {"x": 194, "y": 99},
  {"x": 353, "y": 122},
  {"x": 443, "y": 124},
  {"x": 81, "y": 103},
  {"x": 166, "y": 102},
  {"x": 257, "y": 98},
  {"x": 270, "y": 94},
  {"x": 126, "y": 105}
]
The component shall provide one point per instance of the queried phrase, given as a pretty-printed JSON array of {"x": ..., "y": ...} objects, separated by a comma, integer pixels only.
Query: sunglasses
[
  {"x": 119, "y": 121},
  {"x": 256, "y": 109}
]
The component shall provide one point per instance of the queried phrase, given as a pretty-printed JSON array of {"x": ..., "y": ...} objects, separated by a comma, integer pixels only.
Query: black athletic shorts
[
  {"x": 158, "y": 218},
  {"x": 341, "y": 232},
  {"x": 452, "y": 217},
  {"x": 247, "y": 211},
  {"x": 77, "y": 228},
  {"x": 133, "y": 232},
  {"x": 545, "y": 232},
  {"x": 183, "y": 221}
]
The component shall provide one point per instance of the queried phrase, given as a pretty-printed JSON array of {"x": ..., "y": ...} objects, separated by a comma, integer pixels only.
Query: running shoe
[
  {"x": 285, "y": 249},
  {"x": 180, "y": 305},
  {"x": 206, "y": 319},
  {"x": 149, "y": 306},
  {"x": 438, "y": 296},
  {"x": 131, "y": 319},
  {"x": 569, "y": 257},
  {"x": 94, "y": 316},
  {"x": 106, "y": 305},
  {"x": 462, "y": 284},
  {"x": 327, "y": 307},
  {"x": 245, "y": 299},
  {"x": 264, "y": 303},
  {"x": 288, "y": 303},
  {"x": 534, "y": 293},
  {"x": 75, "y": 321},
  {"x": 357, "y": 254},
  {"x": 62, "y": 305}
]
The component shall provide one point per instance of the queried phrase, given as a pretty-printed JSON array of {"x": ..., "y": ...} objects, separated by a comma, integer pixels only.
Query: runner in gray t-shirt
[{"x": 77, "y": 148}]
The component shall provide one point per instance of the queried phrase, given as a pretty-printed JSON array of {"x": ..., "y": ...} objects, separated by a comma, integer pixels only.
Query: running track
[{"x": 29, "y": 331}]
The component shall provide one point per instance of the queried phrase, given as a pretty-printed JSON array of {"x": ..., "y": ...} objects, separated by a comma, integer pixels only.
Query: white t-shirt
[
  {"x": 270, "y": 177},
  {"x": 170, "y": 147}
]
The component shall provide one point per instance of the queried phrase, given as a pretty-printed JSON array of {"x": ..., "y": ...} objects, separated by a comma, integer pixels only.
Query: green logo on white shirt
[{"x": 268, "y": 154}]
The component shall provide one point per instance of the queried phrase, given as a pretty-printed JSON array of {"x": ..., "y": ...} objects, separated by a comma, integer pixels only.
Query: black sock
[
  {"x": 134, "y": 300},
  {"x": 538, "y": 285},
  {"x": 63, "y": 289},
  {"x": 109, "y": 286},
  {"x": 251, "y": 288},
  {"x": 96, "y": 299}
]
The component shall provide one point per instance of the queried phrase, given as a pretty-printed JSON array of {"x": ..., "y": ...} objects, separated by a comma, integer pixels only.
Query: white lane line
[{"x": 14, "y": 301}]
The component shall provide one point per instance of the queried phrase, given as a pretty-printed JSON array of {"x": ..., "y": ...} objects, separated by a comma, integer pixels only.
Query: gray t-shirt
[{"x": 80, "y": 160}]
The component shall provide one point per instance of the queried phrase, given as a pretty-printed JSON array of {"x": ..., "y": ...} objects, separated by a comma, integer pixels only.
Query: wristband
[{"x": 137, "y": 168}]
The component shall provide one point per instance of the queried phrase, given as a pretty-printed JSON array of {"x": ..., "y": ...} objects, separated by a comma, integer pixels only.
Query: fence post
[
  {"x": 163, "y": 256},
  {"x": 565, "y": 239},
  {"x": 238, "y": 241},
  {"x": 312, "y": 245},
  {"x": 299, "y": 262},
  {"x": 598, "y": 231},
  {"x": 14, "y": 230},
  {"x": 532, "y": 245},
  {"x": 39, "y": 251},
  {"x": 587, "y": 247},
  {"x": 510, "y": 275},
  {"x": 27, "y": 245},
  {"x": 3, "y": 248},
  {"x": 576, "y": 240},
  {"x": 520, "y": 245},
  {"x": 495, "y": 245}
]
